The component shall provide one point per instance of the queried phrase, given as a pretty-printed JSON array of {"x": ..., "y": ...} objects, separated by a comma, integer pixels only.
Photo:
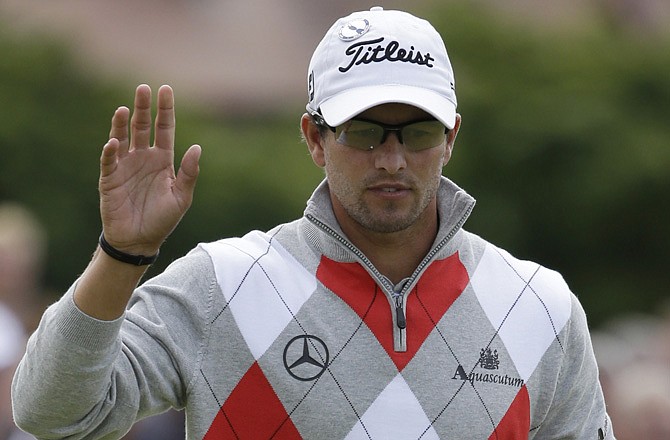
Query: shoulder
[
  {"x": 242, "y": 251},
  {"x": 258, "y": 260},
  {"x": 502, "y": 280},
  {"x": 500, "y": 277}
]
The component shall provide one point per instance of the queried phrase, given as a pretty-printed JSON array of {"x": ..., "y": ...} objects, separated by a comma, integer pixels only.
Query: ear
[
  {"x": 451, "y": 140},
  {"x": 314, "y": 140}
]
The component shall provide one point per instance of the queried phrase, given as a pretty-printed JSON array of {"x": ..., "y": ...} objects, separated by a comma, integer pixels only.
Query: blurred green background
[{"x": 565, "y": 143}]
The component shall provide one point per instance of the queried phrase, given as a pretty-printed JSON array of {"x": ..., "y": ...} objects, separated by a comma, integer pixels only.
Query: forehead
[{"x": 394, "y": 113}]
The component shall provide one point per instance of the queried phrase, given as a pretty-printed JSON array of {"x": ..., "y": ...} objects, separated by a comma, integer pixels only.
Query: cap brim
[{"x": 346, "y": 105}]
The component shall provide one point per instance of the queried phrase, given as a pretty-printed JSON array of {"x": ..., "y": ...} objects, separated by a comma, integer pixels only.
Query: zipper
[
  {"x": 400, "y": 343},
  {"x": 401, "y": 322},
  {"x": 330, "y": 231},
  {"x": 435, "y": 249}
]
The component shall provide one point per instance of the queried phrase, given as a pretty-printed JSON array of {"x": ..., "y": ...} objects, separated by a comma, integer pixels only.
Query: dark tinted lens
[
  {"x": 422, "y": 135},
  {"x": 359, "y": 134}
]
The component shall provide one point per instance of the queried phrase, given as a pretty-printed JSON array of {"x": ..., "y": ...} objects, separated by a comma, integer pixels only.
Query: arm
[
  {"x": 577, "y": 406},
  {"x": 141, "y": 200},
  {"x": 82, "y": 375},
  {"x": 83, "y": 378}
]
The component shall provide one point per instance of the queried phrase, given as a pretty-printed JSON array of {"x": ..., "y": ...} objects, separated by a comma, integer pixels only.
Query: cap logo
[
  {"x": 310, "y": 86},
  {"x": 354, "y": 29},
  {"x": 372, "y": 51}
]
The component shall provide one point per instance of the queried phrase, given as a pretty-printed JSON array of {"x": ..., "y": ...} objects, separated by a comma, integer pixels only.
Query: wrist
[{"x": 132, "y": 259}]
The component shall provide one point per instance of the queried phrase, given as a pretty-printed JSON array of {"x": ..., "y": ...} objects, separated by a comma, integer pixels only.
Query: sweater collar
[{"x": 453, "y": 206}]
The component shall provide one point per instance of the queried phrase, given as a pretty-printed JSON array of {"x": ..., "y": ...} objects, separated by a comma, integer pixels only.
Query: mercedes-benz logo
[
  {"x": 354, "y": 29},
  {"x": 306, "y": 357}
]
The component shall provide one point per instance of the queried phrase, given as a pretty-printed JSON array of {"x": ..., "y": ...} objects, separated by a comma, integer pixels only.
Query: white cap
[{"x": 375, "y": 57}]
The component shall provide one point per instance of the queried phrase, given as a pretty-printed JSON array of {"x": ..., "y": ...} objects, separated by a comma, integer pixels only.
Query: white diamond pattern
[
  {"x": 253, "y": 291},
  {"x": 396, "y": 413},
  {"x": 527, "y": 323}
]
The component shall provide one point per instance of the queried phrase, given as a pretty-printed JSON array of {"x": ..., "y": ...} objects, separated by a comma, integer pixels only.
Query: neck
[{"x": 397, "y": 254}]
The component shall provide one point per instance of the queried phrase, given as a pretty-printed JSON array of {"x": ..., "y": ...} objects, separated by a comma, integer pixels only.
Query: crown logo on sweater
[{"x": 488, "y": 359}]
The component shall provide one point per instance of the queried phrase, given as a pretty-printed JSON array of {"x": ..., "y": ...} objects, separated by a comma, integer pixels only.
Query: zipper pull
[{"x": 399, "y": 313}]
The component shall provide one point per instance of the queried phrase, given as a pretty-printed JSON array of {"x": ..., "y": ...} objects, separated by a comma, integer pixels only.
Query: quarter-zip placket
[{"x": 397, "y": 300}]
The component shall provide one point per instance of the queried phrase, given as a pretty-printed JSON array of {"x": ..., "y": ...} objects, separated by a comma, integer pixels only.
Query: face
[{"x": 387, "y": 189}]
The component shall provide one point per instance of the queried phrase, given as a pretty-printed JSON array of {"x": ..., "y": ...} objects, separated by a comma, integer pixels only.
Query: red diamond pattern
[
  {"x": 351, "y": 282},
  {"x": 515, "y": 423},
  {"x": 241, "y": 416}
]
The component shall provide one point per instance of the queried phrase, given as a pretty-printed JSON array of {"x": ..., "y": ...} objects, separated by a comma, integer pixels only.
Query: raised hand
[{"x": 141, "y": 197}]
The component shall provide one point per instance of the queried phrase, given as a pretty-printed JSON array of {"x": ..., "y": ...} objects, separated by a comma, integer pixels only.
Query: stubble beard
[{"x": 391, "y": 216}]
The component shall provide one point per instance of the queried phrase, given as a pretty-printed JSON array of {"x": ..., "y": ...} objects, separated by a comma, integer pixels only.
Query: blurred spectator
[
  {"x": 22, "y": 247},
  {"x": 22, "y": 253},
  {"x": 12, "y": 343},
  {"x": 634, "y": 358}
]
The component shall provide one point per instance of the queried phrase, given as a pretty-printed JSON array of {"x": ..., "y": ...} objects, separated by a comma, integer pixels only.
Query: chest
[{"x": 297, "y": 353}]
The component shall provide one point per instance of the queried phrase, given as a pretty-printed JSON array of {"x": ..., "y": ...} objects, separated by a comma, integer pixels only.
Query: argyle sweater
[{"x": 293, "y": 333}]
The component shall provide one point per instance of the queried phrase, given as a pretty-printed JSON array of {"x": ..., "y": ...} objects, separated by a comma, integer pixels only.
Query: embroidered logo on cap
[
  {"x": 354, "y": 29},
  {"x": 365, "y": 52}
]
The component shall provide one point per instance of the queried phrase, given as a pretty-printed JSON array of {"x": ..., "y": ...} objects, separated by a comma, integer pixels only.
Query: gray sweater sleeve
[
  {"x": 83, "y": 378},
  {"x": 577, "y": 404}
]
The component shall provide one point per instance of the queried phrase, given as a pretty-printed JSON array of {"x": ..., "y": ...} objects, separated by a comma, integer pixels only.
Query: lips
[{"x": 388, "y": 189}]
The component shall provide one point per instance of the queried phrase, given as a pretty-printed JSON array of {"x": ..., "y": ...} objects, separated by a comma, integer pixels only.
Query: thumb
[{"x": 188, "y": 175}]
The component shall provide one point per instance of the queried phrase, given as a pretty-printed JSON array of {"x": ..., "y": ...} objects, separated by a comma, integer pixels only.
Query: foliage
[
  {"x": 255, "y": 173},
  {"x": 564, "y": 143}
]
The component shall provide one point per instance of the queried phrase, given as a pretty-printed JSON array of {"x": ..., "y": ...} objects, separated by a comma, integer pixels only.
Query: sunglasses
[{"x": 363, "y": 134}]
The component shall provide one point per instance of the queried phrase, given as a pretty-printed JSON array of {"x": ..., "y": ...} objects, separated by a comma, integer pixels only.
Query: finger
[
  {"x": 108, "y": 158},
  {"x": 165, "y": 119},
  {"x": 187, "y": 176},
  {"x": 140, "y": 123},
  {"x": 119, "y": 128}
]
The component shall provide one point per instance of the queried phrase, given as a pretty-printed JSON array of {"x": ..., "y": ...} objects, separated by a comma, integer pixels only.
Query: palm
[{"x": 141, "y": 197}]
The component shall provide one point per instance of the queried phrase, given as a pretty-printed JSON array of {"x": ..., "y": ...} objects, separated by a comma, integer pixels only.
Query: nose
[{"x": 390, "y": 155}]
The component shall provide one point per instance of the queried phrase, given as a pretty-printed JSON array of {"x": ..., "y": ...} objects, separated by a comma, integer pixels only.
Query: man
[{"x": 373, "y": 316}]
